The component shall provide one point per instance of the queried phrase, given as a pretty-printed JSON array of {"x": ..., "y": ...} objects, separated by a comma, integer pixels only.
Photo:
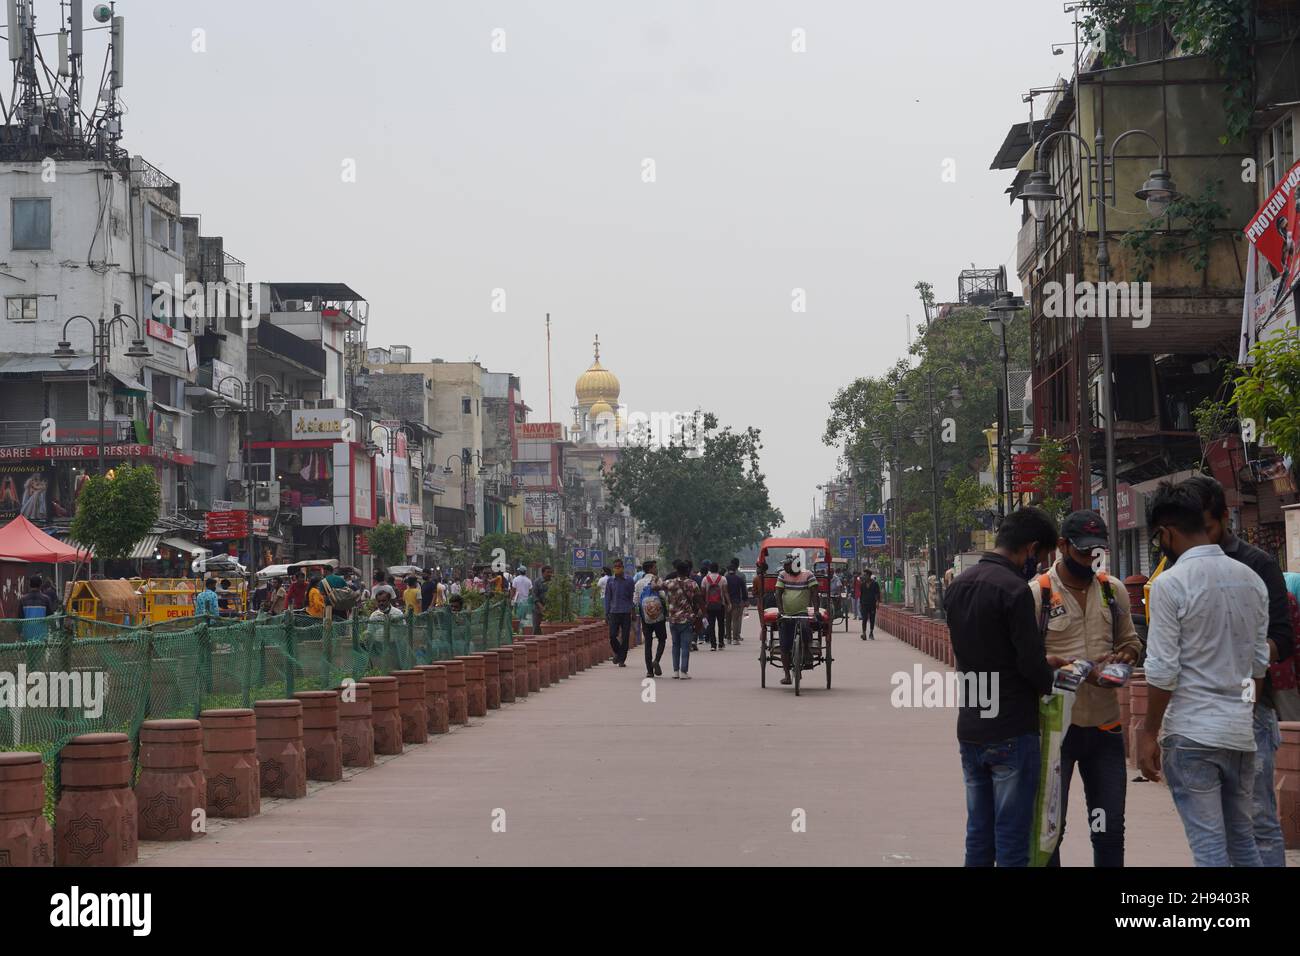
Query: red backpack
[{"x": 713, "y": 591}]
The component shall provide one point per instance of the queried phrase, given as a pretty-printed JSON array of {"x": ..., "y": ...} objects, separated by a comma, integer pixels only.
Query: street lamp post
[
  {"x": 246, "y": 403},
  {"x": 101, "y": 333},
  {"x": 1157, "y": 192},
  {"x": 954, "y": 396},
  {"x": 1001, "y": 313},
  {"x": 892, "y": 441}
]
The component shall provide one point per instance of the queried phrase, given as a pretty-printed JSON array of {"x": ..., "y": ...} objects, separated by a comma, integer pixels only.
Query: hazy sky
[{"x": 523, "y": 170}]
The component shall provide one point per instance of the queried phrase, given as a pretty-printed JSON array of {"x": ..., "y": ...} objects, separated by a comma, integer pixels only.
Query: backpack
[
  {"x": 713, "y": 596},
  {"x": 652, "y": 608},
  {"x": 1107, "y": 592},
  {"x": 342, "y": 600}
]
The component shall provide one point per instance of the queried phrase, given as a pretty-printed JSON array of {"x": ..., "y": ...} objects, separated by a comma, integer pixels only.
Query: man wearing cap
[{"x": 1087, "y": 618}]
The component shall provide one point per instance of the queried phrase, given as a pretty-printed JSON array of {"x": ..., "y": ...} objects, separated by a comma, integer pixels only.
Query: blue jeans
[
  {"x": 1212, "y": 787},
  {"x": 683, "y": 634},
  {"x": 1263, "y": 810},
  {"x": 1099, "y": 755},
  {"x": 1001, "y": 781}
]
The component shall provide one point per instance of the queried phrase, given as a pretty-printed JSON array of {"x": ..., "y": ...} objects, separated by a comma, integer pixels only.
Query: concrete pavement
[{"x": 710, "y": 773}]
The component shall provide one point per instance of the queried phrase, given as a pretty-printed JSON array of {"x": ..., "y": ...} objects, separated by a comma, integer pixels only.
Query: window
[
  {"x": 31, "y": 223},
  {"x": 1279, "y": 152},
  {"x": 160, "y": 227},
  {"x": 21, "y": 308},
  {"x": 466, "y": 405}
]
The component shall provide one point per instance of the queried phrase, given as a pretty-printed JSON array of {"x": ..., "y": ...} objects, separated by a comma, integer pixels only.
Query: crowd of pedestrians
[{"x": 1219, "y": 650}]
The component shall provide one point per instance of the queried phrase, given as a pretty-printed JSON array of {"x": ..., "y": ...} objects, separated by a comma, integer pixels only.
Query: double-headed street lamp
[
  {"x": 1000, "y": 315},
  {"x": 390, "y": 445},
  {"x": 1157, "y": 192},
  {"x": 901, "y": 400},
  {"x": 101, "y": 335},
  {"x": 246, "y": 402}
]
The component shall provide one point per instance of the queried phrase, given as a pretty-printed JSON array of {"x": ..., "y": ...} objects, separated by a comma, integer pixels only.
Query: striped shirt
[{"x": 795, "y": 591}]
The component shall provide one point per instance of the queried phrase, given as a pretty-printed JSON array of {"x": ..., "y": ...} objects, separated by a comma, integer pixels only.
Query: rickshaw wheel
[
  {"x": 797, "y": 663},
  {"x": 762, "y": 657},
  {"x": 826, "y": 659}
]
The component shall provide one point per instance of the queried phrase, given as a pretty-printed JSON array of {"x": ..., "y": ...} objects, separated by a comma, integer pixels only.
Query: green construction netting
[{"x": 132, "y": 674}]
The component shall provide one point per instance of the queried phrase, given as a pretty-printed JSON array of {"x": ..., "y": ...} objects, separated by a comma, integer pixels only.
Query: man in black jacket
[
  {"x": 868, "y": 599},
  {"x": 1281, "y": 645},
  {"x": 998, "y": 645}
]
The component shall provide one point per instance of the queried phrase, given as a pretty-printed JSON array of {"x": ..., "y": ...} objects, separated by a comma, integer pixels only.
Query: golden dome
[
  {"x": 601, "y": 407},
  {"x": 597, "y": 385}
]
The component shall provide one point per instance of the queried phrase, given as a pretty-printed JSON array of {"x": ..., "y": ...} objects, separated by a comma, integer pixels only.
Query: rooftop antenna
[{"x": 550, "y": 416}]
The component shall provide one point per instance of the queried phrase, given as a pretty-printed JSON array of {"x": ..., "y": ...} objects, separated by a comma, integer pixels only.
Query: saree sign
[{"x": 313, "y": 424}]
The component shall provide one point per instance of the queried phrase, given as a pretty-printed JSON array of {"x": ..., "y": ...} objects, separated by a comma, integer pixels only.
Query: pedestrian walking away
[
  {"x": 996, "y": 641},
  {"x": 738, "y": 595},
  {"x": 618, "y": 612},
  {"x": 716, "y": 605},
  {"x": 1085, "y": 616},
  {"x": 653, "y": 615},
  {"x": 870, "y": 598},
  {"x": 1207, "y": 654}
]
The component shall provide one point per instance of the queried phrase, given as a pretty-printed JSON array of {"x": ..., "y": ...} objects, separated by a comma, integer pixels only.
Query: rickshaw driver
[{"x": 796, "y": 590}]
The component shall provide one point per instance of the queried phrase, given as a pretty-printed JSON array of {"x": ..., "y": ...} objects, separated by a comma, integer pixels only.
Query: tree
[
  {"x": 1267, "y": 394},
  {"x": 1052, "y": 466},
  {"x": 517, "y": 549},
  {"x": 388, "y": 543},
  {"x": 706, "y": 500},
  {"x": 116, "y": 510}
]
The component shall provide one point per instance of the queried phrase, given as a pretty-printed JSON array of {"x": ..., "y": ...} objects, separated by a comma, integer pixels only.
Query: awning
[
  {"x": 31, "y": 364},
  {"x": 127, "y": 384},
  {"x": 172, "y": 410},
  {"x": 180, "y": 544},
  {"x": 145, "y": 548}
]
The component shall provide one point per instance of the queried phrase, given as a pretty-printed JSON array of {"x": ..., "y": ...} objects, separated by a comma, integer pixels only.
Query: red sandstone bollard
[
  {"x": 26, "y": 837},
  {"x": 457, "y": 692},
  {"x": 475, "y": 685},
  {"x": 574, "y": 640},
  {"x": 492, "y": 679},
  {"x": 534, "y": 664},
  {"x": 95, "y": 821},
  {"x": 1286, "y": 776},
  {"x": 435, "y": 697},
  {"x": 385, "y": 714},
  {"x": 580, "y": 648},
  {"x": 563, "y": 644},
  {"x": 1137, "y": 705},
  {"x": 552, "y": 645},
  {"x": 320, "y": 734},
  {"x": 356, "y": 726},
  {"x": 411, "y": 706},
  {"x": 521, "y": 669},
  {"x": 281, "y": 756},
  {"x": 506, "y": 673},
  {"x": 234, "y": 786},
  {"x": 171, "y": 785}
]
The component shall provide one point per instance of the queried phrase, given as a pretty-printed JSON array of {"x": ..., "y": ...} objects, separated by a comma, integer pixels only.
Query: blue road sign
[
  {"x": 579, "y": 557},
  {"x": 873, "y": 531},
  {"x": 848, "y": 546},
  {"x": 595, "y": 559}
]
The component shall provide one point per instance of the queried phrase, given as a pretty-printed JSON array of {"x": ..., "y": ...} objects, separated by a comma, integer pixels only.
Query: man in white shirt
[
  {"x": 1207, "y": 654},
  {"x": 521, "y": 586}
]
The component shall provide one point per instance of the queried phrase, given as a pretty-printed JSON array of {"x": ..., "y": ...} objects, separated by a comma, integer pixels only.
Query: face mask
[{"x": 1083, "y": 571}]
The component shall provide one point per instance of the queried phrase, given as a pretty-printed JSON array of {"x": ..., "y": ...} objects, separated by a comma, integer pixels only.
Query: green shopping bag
[{"x": 1053, "y": 722}]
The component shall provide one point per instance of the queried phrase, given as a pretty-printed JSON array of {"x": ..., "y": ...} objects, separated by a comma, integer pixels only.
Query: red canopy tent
[{"x": 20, "y": 540}]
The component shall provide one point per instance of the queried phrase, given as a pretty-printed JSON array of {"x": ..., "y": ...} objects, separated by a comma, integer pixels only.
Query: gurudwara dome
[{"x": 597, "y": 385}]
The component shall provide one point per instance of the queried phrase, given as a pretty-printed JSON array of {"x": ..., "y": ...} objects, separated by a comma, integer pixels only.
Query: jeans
[
  {"x": 648, "y": 634},
  {"x": 620, "y": 623},
  {"x": 857, "y": 607},
  {"x": 1211, "y": 787},
  {"x": 1001, "y": 782},
  {"x": 683, "y": 635},
  {"x": 1099, "y": 755},
  {"x": 1263, "y": 811},
  {"x": 868, "y": 617},
  {"x": 717, "y": 626}
]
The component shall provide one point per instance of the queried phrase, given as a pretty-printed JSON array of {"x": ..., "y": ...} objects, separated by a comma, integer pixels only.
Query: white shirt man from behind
[{"x": 521, "y": 586}]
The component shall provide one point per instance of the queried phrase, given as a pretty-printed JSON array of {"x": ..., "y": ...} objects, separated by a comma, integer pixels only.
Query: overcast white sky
[{"x": 522, "y": 170}]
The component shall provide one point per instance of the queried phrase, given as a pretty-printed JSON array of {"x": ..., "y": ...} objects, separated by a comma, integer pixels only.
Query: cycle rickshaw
[{"x": 812, "y": 642}]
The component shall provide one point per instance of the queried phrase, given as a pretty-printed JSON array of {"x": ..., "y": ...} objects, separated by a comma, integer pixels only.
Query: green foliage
[
  {"x": 1053, "y": 464},
  {"x": 1268, "y": 391},
  {"x": 388, "y": 542},
  {"x": 705, "y": 503},
  {"x": 559, "y": 599},
  {"x": 1200, "y": 213},
  {"x": 1214, "y": 419},
  {"x": 518, "y": 550},
  {"x": 116, "y": 510},
  {"x": 964, "y": 500},
  {"x": 1221, "y": 29}
]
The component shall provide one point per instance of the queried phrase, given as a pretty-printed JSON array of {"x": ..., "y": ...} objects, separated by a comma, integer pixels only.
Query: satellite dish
[{"x": 103, "y": 12}]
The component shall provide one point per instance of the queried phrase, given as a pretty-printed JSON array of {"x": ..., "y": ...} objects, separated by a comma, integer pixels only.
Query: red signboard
[
  {"x": 541, "y": 431},
  {"x": 363, "y": 544},
  {"x": 1026, "y": 474},
  {"x": 225, "y": 525}
]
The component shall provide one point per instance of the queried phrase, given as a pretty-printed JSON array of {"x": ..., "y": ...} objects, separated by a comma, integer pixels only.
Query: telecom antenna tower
[{"x": 48, "y": 115}]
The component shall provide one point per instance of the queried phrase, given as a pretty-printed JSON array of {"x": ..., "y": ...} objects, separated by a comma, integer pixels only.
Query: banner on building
[
  {"x": 1274, "y": 232},
  {"x": 541, "y": 512},
  {"x": 541, "y": 431},
  {"x": 317, "y": 423}
]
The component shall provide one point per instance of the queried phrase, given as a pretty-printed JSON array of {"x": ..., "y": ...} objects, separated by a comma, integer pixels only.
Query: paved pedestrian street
[{"x": 710, "y": 773}]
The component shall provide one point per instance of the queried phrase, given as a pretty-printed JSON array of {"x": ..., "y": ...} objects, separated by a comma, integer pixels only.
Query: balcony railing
[{"x": 275, "y": 340}]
